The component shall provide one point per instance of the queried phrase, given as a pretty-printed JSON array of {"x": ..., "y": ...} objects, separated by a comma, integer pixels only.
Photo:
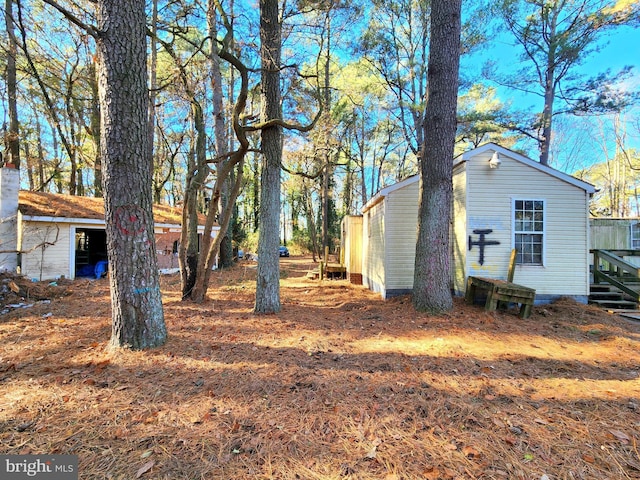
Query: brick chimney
[{"x": 9, "y": 188}]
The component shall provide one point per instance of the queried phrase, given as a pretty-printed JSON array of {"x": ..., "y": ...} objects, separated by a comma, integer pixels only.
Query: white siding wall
[
  {"x": 9, "y": 187},
  {"x": 51, "y": 262},
  {"x": 491, "y": 193},
  {"x": 401, "y": 225},
  {"x": 373, "y": 274},
  {"x": 459, "y": 231},
  {"x": 352, "y": 243}
]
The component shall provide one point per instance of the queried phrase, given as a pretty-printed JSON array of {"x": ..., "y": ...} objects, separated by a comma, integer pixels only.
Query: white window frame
[
  {"x": 542, "y": 233},
  {"x": 634, "y": 228}
]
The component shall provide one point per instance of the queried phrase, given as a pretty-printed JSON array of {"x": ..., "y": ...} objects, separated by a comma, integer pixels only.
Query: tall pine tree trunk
[
  {"x": 153, "y": 80},
  {"x": 268, "y": 279},
  {"x": 137, "y": 314},
  {"x": 431, "y": 284},
  {"x": 12, "y": 137}
]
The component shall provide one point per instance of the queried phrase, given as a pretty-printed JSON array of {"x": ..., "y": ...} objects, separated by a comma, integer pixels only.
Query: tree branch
[
  {"x": 69, "y": 15},
  {"x": 36, "y": 247}
]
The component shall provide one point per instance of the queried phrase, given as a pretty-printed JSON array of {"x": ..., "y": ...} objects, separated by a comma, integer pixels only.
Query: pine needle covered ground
[{"x": 340, "y": 385}]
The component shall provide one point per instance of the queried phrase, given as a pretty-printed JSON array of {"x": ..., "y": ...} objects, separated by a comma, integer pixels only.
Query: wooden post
[
  {"x": 321, "y": 270},
  {"x": 512, "y": 265}
]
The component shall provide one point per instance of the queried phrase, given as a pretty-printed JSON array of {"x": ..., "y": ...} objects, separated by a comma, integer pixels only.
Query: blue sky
[
  {"x": 623, "y": 48},
  {"x": 620, "y": 48}
]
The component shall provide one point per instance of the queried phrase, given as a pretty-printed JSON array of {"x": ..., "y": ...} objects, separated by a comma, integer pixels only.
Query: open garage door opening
[{"x": 91, "y": 252}]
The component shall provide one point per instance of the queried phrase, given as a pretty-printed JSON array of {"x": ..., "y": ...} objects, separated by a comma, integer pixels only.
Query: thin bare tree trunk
[
  {"x": 226, "y": 247},
  {"x": 209, "y": 247},
  {"x": 95, "y": 130}
]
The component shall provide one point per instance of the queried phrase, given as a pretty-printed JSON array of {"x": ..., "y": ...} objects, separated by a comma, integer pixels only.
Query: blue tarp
[
  {"x": 101, "y": 268},
  {"x": 97, "y": 270}
]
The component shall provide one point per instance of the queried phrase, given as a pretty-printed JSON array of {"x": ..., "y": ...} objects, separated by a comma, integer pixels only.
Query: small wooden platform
[
  {"x": 333, "y": 270},
  {"x": 501, "y": 291},
  {"x": 330, "y": 271}
]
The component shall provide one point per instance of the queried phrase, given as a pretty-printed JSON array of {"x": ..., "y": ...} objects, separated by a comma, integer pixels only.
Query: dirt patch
[
  {"x": 340, "y": 384},
  {"x": 18, "y": 292}
]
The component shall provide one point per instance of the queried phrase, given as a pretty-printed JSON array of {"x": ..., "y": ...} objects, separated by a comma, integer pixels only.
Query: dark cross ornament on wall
[{"x": 482, "y": 242}]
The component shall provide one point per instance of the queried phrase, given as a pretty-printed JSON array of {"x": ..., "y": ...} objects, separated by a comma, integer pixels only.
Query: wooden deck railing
[{"x": 610, "y": 267}]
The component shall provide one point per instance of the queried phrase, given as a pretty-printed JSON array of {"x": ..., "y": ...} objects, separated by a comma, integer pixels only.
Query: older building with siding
[
  {"x": 389, "y": 229},
  {"x": 48, "y": 236},
  {"x": 501, "y": 200}
]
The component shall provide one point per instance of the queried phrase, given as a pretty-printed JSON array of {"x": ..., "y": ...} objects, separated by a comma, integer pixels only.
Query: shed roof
[
  {"x": 53, "y": 205},
  {"x": 466, "y": 156},
  {"x": 494, "y": 147},
  {"x": 377, "y": 198}
]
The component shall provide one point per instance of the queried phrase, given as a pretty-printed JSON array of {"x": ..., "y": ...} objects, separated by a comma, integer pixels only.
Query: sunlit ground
[{"x": 338, "y": 385}]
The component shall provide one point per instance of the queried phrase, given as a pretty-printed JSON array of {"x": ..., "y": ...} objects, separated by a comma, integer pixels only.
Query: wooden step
[
  {"x": 624, "y": 304},
  {"x": 629, "y": 314},
  {"x": 605, "y": 295},
  {"x": 610, "y": 297},
  {"x": 600, "y": 287},
  {"x": 605, "y": 285}
]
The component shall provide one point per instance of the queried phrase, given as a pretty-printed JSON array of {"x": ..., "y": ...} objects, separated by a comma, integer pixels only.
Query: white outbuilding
[
  {"x": 47, "y": 236},
  {"x": 501, "y": 200}
]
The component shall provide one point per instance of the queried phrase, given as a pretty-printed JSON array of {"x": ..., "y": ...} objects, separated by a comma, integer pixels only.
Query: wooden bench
[
  {"x": 329, "y": 270},
  {"x": 501, "y": 291}
]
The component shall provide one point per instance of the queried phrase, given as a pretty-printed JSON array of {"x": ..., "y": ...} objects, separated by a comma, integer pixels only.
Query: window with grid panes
[
  {"x": 529, "y": 231},
  {"x": 635, "y": 235}
]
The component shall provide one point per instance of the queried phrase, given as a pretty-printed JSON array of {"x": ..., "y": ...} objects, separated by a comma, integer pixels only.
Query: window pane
[
  {"x": 635, "y": 236},
  {"x": 529, "y": 248},
  {"x": 528, "y": 229}
]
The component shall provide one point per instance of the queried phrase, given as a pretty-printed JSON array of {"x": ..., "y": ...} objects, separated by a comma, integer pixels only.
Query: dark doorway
[{"x": 91, "y": 248}]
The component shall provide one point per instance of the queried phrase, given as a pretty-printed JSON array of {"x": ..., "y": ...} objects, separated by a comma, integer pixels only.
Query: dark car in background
[{"x": 284, "y": 251}]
